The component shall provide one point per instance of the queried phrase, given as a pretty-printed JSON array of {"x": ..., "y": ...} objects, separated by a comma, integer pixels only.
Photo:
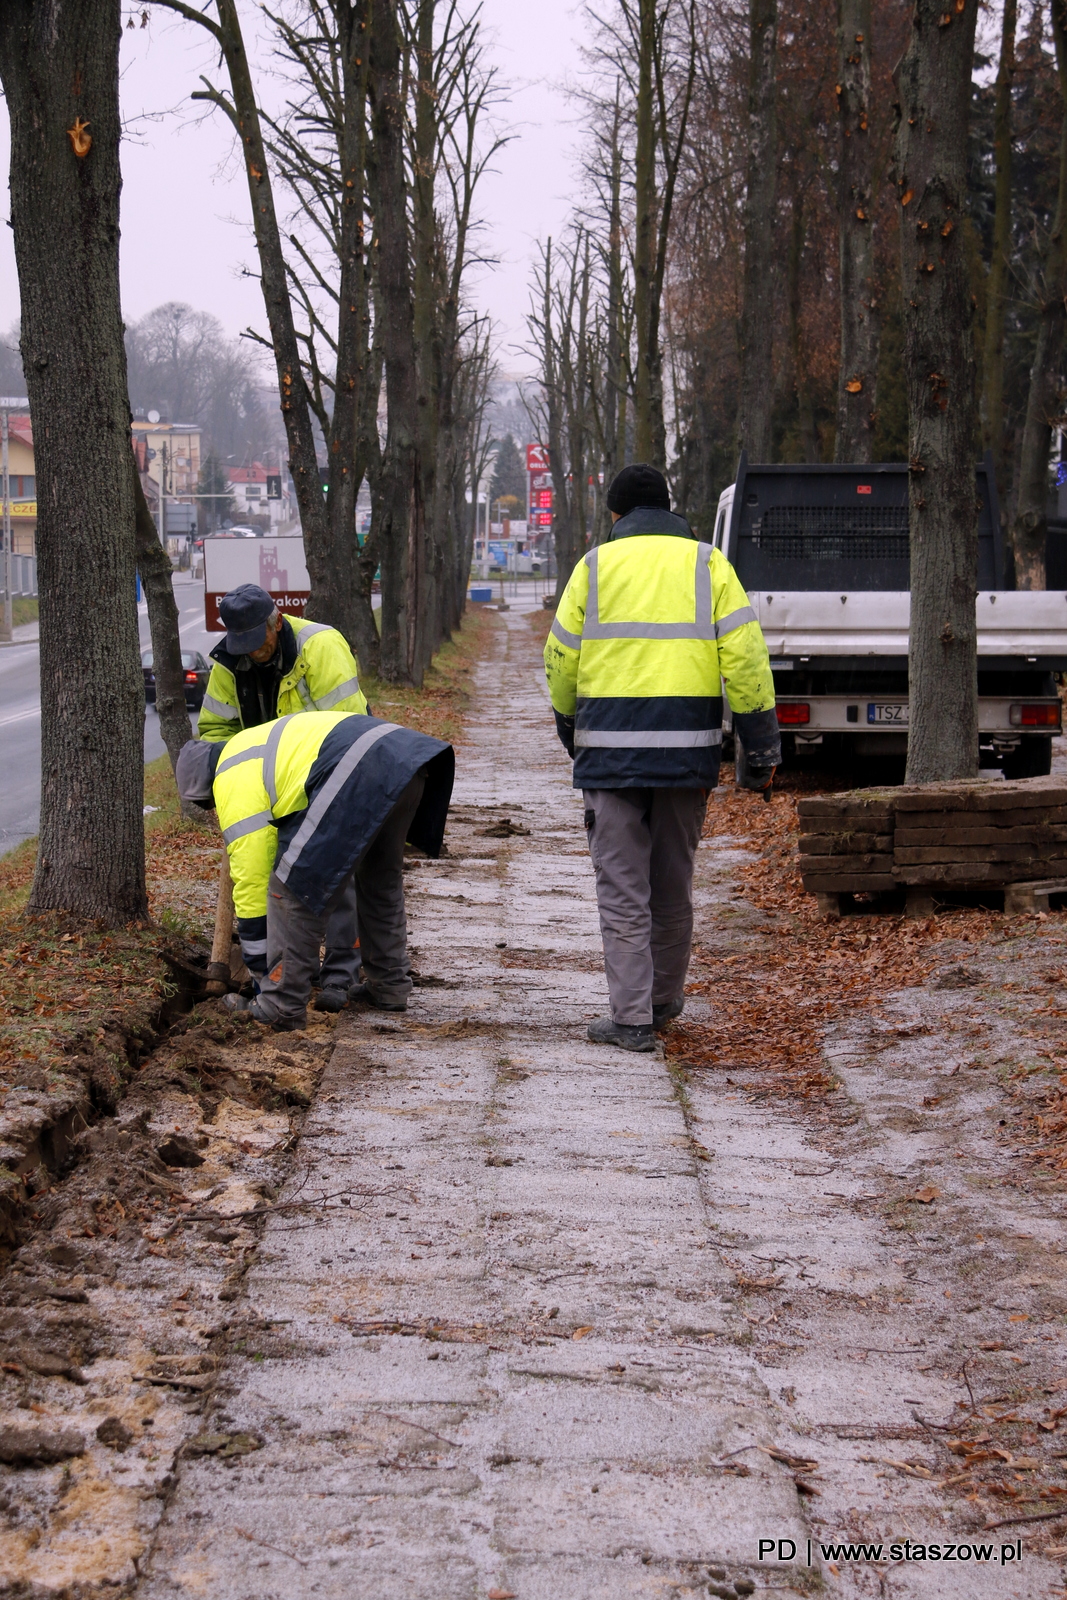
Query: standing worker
[
  {"x": 651, "y": 628},
  {"x": 306, "y": 804},
  {"x": 268, "y": 666}
]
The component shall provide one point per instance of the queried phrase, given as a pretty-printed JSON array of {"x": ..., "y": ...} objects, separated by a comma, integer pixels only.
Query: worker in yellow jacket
[
  {"x": 267, "y": 666},
  {"x": 306, "y": 804},
  {"x": 653, "y": 626}
]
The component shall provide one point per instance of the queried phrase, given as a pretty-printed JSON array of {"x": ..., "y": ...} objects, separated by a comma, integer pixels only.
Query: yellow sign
[{"x": 23, "y": 508}]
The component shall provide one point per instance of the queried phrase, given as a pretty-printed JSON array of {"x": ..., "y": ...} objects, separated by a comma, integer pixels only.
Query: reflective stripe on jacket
[
  {"x": 650, "y": 630},
  {"x": 305, "y": 795},
  {"x": 324, "y": 677}
]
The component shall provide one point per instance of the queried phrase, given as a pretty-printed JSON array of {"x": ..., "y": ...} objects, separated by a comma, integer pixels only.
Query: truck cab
[{"x": 823, "y": 552}]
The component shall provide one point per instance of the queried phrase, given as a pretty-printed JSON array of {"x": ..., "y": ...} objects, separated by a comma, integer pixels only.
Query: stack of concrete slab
[
  {"x": 846, "y": 842},
  {"x": 949, "y": 836}
]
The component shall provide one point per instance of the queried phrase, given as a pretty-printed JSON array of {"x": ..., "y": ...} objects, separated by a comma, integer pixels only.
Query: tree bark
[
  {"x": 859, "y": 304},
  {"x": 934, "y": 82},
  {"x": 340, "y": 583},
  {"x": 153, "y": 563},
  {"x": 296, "y": 412},
  {"x": 399, "y": 507},
  {"x": 644, "y": 233},
  {"x": 756, "y": 396},
  {"x": 59, "y": 68},
  {"x": 1045, "y": 400},
  {"x": 997, "y": 285},
  {"x": 809, "y": 439}
]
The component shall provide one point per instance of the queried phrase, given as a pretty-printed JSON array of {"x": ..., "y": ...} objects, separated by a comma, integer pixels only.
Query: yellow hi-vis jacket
[
  {"x": 322, "y": 676},
  {"x": 650, "y": 630},
  {"x": 305, "y": 795}
]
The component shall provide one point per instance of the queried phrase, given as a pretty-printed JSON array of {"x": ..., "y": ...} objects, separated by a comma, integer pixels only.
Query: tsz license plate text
[{"x": 881, "y": 713}]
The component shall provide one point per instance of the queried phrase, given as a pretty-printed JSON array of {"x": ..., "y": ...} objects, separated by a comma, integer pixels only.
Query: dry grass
[
  {"x": 438, "y": 708},
  {"x": 540, "y": 623}
]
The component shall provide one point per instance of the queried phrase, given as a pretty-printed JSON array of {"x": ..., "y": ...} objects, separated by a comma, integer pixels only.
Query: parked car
[{"x": 196, "y": 670}]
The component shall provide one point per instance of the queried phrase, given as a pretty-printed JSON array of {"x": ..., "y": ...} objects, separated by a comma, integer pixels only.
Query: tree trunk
[
  {"x": 59, "y": 67},
  {"x": 615, "y": 374},
  {"x": 756, "y": 397},
  {"x": 1044, "y": 402},
  {"x": 400, "y": 511},
  {"x": 296, "y": 413},
  {"x": 809, "y": 439},
  {"x": 859, "y": 310},
  {"x": 997, "y": 284},
  {"x": 339, "y": 594},
  {"x": 644, "y": 235},
  {"x": 153, "y": 563},
  {"x": 934, "y": 81},
  {"x": 428, "y": 365}
]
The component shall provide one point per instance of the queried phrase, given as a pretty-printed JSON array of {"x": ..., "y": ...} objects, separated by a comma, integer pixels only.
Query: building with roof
[
  {"x": 22, "y": 485},
  {"x": 253, "y": 505}
]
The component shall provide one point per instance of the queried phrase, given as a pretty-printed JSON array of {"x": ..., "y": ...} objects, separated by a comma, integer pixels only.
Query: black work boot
[
  {"x": 627, "y": 1035},
  {"x": 661, "y": 1015},
  {"x": 237, "y": 1004},
  {"x": 362, "y": 992},
  {"x": 330, "y": 1000}
]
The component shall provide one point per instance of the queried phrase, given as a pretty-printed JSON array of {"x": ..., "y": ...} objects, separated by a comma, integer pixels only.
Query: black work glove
[
  {"x": 565, "y": 729},
  {"x": 759, "y": 779}
]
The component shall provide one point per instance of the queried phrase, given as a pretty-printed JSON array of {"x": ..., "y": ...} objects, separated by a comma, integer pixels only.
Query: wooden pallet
[{"x": 937, "y": 837}]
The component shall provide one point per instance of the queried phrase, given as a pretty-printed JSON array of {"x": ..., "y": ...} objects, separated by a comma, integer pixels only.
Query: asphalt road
[{"x": 20, "y": 715}]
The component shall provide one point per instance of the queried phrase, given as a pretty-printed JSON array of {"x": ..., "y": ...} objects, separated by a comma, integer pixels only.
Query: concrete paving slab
[{"x": 497, "y": 1364}]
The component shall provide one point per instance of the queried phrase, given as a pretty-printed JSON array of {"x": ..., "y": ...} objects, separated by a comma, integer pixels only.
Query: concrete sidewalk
[{"x": 500, "y": 1362}]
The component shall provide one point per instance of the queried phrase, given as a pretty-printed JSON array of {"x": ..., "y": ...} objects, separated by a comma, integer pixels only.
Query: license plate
[{"x": 891, "y": 713}]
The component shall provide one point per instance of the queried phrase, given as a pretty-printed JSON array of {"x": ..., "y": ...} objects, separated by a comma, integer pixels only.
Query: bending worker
[
  {"x": 651, "y": 628},
  {"x": 306, "y": 804},
  {"x": 267, "y": 666}
]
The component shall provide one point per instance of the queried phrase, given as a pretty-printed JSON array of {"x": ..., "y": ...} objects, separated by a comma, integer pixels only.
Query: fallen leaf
[
  {"x": 502, "y": 1594},
  {"x": 925, "y": 1196},
  {"x": 580, "y": 1333},
  {"x": 854, "y": 385},
  {"x": 991, "y": 1344}
]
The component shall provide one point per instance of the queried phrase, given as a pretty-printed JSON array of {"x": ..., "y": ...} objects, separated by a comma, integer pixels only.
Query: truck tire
[{"x": 1032, "y": 758}]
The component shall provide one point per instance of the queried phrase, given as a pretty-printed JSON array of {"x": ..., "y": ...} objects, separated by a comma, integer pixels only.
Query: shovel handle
[{"x": 218, "y": 972}]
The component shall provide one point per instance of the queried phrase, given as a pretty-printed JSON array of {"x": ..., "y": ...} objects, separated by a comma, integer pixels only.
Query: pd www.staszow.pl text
[{"x": 906, "y": 1550}]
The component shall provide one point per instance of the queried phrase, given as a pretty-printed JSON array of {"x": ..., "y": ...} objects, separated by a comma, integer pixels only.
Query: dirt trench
[{"x": 122, "y": 1295}]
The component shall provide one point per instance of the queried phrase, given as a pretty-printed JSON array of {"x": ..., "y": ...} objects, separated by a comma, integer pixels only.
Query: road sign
[
  {"x": 277, "y": 565},
  {"x": 274, "y": 486}
]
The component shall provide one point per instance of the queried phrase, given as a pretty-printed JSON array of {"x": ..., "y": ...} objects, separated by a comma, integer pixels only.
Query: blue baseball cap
[{"x": 245, "y": 612}]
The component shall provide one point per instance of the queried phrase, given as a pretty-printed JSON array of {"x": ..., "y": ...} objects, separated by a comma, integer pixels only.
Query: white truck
[{"x": 823, "y": 553}]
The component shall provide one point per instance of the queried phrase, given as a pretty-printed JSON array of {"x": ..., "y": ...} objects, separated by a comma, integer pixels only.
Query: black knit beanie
[{"x": 638, "y": 485}]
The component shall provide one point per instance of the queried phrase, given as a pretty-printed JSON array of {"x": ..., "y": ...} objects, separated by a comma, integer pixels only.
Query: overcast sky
[{"x": 185, "y": 231}]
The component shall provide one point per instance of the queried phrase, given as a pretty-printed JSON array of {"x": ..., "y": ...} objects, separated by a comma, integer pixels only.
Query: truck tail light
[
  {"x": 793, "y": 713},
  {"x": 1046, "y": 716}
]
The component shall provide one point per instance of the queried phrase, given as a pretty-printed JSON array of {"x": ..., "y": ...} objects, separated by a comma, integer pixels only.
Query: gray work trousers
[
  {"x": 340, "y": 963},
  {"x": 643, "y": 842},
  {"x": 295, "y": 933}
]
